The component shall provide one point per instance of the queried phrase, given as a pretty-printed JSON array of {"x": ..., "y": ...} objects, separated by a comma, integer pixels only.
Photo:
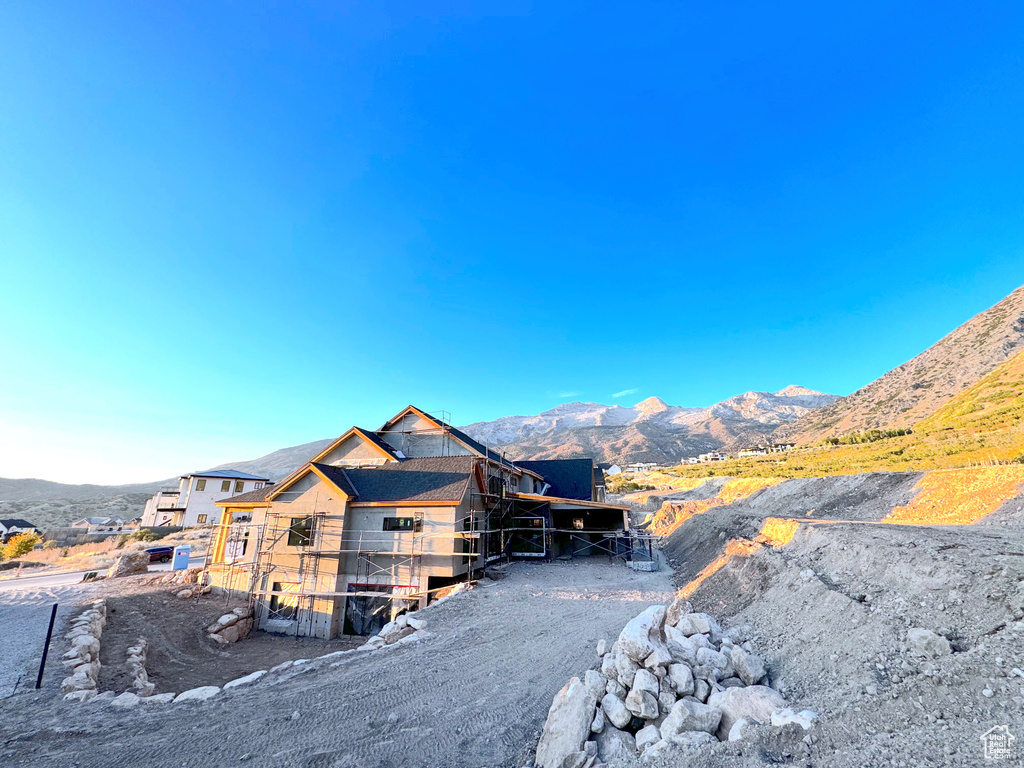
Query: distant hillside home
[
  {"x": 379, "y": 521},
  {"x": 13, "y": 526},
  {"x": 194, "y": 503},
  {"x": 614, "y": 469},
  {"x": 711, "y": 456},
  {"x": 99, "y": 524},
  {"x": 640, "y": 467}
]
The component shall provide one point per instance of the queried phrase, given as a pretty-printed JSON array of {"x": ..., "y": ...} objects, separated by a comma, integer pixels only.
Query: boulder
[
  {"x": 642, "y": 634},
  {"x": 616, "y": 747},
  {"x": 416, "y": 624},
  {"x": 689, "y": 715},
  {"x": 749, "y": 668},
  {"x": 396, "y": 633},
  {"x": 700, "y": 624},
  {"x": 83, "y": 695},
  {"x": 676, "y": 610},
  {"x": 626, "y": 669},
  {"x": 595, "y": 683},
  {"x": 755, "y": 702},
  {"x": 126, "y": 700},
  {"x": 642, "y": 703},
  {"x": 679, "y": 646},
  {"x": 805, "y": 718},
  {"x": 228, "y": 619},
  {"x": 129, "y": 563},
  {"x": 202, "y": 693},
  {"x": 574, "y": 760},
  {"x": 615, "y": 688},
  {"x": 738, "y": 729},
  {"x": 681, "y": 678},
  {"x": 602, "y": 647},
  {"x": 646, "y": 737},
  {"x": 692, "y": 739},
  {"x": 229, "y": 634},
  {"x": 706, "y": 657},
  {"x": 615, "y": 711},
  {"x": 184, "y": 594},
  {"x": 568, "y": 724},
  {"x": 701, "y": 689},
  {"x": 252, "y": 677},
  {"x": 924, "y": 642},
  {"x": 660, "y": 657},
  {"x": 609, "y": 667},
  {"x": 597, "y": 725},
  {"x": 666, "y": 700},
  {"x": 646, "y": 681}
]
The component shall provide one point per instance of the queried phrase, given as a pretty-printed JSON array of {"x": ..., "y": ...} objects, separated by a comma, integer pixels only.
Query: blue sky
[{"x": 226, "y": 227}]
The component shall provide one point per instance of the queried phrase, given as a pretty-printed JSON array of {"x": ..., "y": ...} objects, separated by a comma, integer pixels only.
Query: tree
[{"x": 20, "y": 544}]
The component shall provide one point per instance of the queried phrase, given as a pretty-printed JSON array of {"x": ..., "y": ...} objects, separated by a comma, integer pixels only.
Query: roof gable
[{"x": 433, "y": 479}]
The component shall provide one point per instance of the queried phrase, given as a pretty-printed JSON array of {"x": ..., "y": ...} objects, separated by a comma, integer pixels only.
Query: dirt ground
[
  {"x": 474, "y": 693},
  {"x": 180, "y": 655}
]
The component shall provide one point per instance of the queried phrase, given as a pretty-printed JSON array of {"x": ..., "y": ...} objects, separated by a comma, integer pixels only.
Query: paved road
[{"x": 65, "y": 578}]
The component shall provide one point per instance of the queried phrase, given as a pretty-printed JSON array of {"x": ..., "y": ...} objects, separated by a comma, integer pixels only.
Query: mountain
[
  {"x": 652, "y": 430},
  {"x": 280, "y": 463},
  {"x": 921, "y": 386}
]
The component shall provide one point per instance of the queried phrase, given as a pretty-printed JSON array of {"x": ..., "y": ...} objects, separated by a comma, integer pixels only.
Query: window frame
[
  {"x": 201, "y": 484},
  {"x": 300, "y": 532},
  {"x": 201, "y": 519},
  {"x": 225, "y": 486},
  {"x": 239, "y": 486},
  {"x": 399, "y": 525}
]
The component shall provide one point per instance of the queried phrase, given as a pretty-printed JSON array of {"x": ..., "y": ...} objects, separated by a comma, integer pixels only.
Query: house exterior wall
[
  {"x": 199, "y": 503},
  {"x": 416, "y": 437},
  {"x": 354, "y": 450}
]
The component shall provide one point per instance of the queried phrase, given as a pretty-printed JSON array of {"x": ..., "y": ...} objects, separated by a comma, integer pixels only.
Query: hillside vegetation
[{"x": 980, "y": 426}]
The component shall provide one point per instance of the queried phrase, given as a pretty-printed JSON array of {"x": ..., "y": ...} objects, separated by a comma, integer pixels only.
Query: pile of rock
[
  {"x": 129, "y": 563},
  {"x": 672, "y": 678},
  {"x": 137, "y": 668},
  {"x": 404, "y": 629},
  {"x": 83, "y": 660},
  {"x": 231, "y": 626}
]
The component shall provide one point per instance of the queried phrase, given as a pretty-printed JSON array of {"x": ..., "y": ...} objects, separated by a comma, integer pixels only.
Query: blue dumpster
[{"x": 182, "y": 552}]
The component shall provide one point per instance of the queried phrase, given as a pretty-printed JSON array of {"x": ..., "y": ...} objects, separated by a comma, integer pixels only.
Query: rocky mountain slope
[
  {"x": 921, "y": 386},
  {"x": 651, "y": 430}
]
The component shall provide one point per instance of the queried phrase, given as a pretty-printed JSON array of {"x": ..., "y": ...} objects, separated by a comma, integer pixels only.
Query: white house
[
  {"x": 614, "y": 469},
  {"x": 14, "y": 526},
  {"x": 194, "y": 501}
]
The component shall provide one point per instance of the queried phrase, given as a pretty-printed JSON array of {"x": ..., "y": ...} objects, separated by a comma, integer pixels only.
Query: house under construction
[{"x": 381, "y": 520}]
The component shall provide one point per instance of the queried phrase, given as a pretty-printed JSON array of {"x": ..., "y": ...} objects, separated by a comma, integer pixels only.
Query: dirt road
[{"x": 474, "y": 693}]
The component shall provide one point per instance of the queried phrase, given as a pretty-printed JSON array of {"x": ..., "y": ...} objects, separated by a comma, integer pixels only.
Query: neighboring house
[
  {"x": 99, "y": 524},
  {"x": 614, "y": 469},
  {"x": 380, "y": 520},
  {"x": 13, "y": 526},
  {"x": 641, "y": 467},
  {"x": 194, "y": 503},
  {"x": 711, "y": 456}
]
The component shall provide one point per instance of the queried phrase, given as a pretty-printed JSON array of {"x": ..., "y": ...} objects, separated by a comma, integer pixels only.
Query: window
[
  {"x": 258, "y": 486},
  {"x": 226, "y": 485},
  {"x": 300, "y": 532},
  {"x": 399, "y": 524},
  {"x": 201, "y": 519},
  {"x": 283, "y": 606},
  {"x": 201, "y": 484},
  {"x": 239, "y": 485}
]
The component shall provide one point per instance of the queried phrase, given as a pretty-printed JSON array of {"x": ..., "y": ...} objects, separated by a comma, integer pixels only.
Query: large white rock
[
  {"x": 202, "y": 693},
  {"x": 642, "y": 704},
  {"x": 415, "y": 623},
  {"x": 642, "y": 634},
  {"x": 739, "y": 729},
  {"x": 924, "y": 642},
  {"x": 595, "y": 683},
  {"x": 126, "y": 700},
  {"x": 597, "y": 725},
  {"x": 609, "y": 667},
  {"x": 626, "y": 669},
  {"x": 646, "y": 737},
  {"x": 646, "y": 681},
  {"x": 676, "y": 610},
  {"x": 699, "y": 624},
  {"x": 160, "y": 698},
  {"x": 615, "y": 688},
  {"x": 659, "y": 657},
  {"x": 615, "y": 711},
  {"x": 681, "y": 678},
  {"x": 616, "y": 748},
  {"x": 129, "y": 563},
  {"x": 252, "y": 677},
  {"x": 689, "y": 715},
  {"x": 679, "y": 646},
  {"x": 749, "y": 668},
  {"x": 568, "y": 724},
  {"x": 755, "y": 702}
]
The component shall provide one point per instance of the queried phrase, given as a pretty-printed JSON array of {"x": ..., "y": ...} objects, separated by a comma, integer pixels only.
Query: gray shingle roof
[
  {"x": 569, "y": 478},
  {"x": 438, "y": 478},
  {"x": 16, "y": 522},
  {"x": 249, "y": 496}
]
